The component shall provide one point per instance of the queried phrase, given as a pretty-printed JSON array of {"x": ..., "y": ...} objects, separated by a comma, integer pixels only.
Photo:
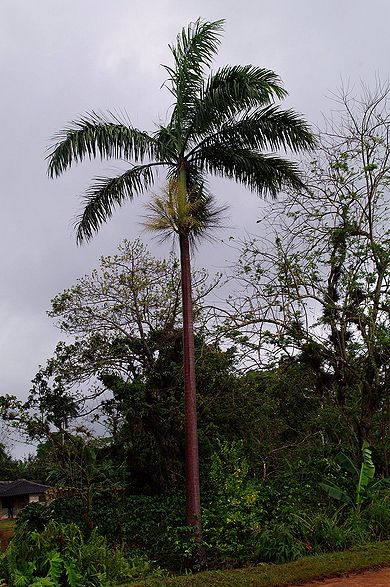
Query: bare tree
[{"x": 317, "y": 287}]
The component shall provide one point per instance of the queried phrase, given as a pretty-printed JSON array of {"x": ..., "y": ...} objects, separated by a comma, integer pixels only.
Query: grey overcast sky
[{"x": 60, "y": 58}]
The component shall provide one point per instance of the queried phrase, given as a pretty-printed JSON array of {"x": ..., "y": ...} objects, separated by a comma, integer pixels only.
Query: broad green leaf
[
  {"x": 346, "y": 463},
  {"x": 367, "y": 472},
  {"x": 336, "y": 493}
]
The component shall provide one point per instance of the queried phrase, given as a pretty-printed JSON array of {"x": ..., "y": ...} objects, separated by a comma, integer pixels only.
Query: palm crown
[{"x": 221, "y": 123}]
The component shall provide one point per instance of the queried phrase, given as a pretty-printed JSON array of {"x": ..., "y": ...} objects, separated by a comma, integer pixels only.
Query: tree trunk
[{"x": 191, "y": 429}]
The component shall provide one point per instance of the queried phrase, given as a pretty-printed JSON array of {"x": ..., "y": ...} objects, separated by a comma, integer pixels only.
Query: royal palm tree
[{"x": 225, "y": 124}]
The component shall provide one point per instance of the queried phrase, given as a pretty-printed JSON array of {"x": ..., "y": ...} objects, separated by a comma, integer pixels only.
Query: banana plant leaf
[
  {"x": 380, "y": 484},
  {"x": 336, "y": 493},
  {"x": 346, "y": 464},
  {"x": 367, "y": 472}
]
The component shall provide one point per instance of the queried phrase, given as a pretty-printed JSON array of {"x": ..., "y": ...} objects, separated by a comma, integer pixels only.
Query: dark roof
[{"x": 21, "y": 487}]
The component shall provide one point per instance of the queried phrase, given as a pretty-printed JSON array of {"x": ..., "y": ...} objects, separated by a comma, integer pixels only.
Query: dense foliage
[{"x": 59, "y": 555}]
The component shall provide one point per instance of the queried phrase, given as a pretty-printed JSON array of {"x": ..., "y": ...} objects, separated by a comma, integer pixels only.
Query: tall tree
[{"x": 220, "y": 125}]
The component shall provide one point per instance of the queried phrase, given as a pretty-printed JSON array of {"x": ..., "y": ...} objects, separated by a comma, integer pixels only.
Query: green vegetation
[
  {"x": 305, "y": 569},
  {"x": 366, "y": 487},
  {"x": 59, "y": 555},
  {"x": 292, "y": 368},
  {"x": 6, "y": 525}
]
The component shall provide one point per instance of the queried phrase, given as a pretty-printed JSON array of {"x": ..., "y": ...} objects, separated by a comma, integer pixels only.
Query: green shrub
[
  {"x": 323, "y": 533},
  {"x": 139, "y": 521},
  {"x": 277, "y": 544},
  {"x": 60, "y": 555},
  {"x": 33, "y": 517},
  {"x": 70, "y": 510},
  {"x": 232, "y": 513},
  {"x": 358, "y": 529},
  {"x": 244, "y": 519},
  {"x": 63, "y": 510},
  {"x": 154, "y": 524},
  {"x": 3, "y": 567},
  {"x": 377, "y": 518}
]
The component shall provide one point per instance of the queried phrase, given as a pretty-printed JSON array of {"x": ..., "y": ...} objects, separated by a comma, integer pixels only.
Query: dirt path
[
  {"x": 367, "y": 579},
  {"x": 5, "y": 537}
]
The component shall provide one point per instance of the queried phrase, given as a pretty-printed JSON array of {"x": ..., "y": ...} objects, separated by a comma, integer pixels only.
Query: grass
[
  {"x": 305, "y": 569},
  {"x": 6, "y": 525}
]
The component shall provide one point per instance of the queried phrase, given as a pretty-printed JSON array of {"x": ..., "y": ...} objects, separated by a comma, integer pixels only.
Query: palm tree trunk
[{"x": 191, "y": 430}]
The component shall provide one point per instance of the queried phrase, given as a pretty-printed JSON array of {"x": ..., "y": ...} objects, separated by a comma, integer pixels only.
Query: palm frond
[
  {"x": 166, "y": 143},
  {"x": 263, "y": 174},
  {"x": 268, "y": 128},
  {"x": 107, "y": 194},
  {"x": 95, "y": 135},
  {"x": 197, "y": 44},
  {"x": 195, "y": 48},
  {"x": 231, "y": 90}
]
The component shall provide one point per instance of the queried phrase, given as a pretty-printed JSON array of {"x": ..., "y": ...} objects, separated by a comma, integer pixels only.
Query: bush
[
  {"x": 233, "y": 513},
  {"x": 358, "y": 530},
  {"x": 60, "y": 554},
  {"x": 277, "y": 544},
  {"x": 323, "y": 533},
  {"x": 377, "y": 518},
  {"x": 154, "y": 524},
  {"x": 33, "y": 517},
  {"x": 63, "y": 510},
  {"x": 3, "y": 567},
  {"x": 70, "y": 510}
]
